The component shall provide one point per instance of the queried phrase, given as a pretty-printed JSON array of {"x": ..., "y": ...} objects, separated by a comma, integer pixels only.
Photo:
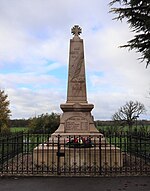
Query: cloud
[
  {"x": 34, "y": 48},
  {"x": 27, "y": 103}
]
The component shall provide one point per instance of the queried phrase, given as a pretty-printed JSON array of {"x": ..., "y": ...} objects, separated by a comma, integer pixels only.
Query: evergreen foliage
[{"x": 137, "y": 14}]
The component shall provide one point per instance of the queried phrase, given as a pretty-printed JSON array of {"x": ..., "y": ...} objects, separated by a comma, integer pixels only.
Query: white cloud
[
  {"x": 34, "y": 47},
  {"x": 28, "y": 103}
]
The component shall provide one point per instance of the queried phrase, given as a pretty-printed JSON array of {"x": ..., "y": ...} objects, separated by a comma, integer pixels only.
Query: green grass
[
  {"x": 146, "y": 128},
  {"x": 18, "y": 129}
]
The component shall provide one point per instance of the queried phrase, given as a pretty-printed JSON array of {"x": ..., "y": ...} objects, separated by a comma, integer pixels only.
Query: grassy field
[
  {"x": 18, "y": 129},
  {"x": 145, "y": 128},
  {"x": 103, "y": 128}
]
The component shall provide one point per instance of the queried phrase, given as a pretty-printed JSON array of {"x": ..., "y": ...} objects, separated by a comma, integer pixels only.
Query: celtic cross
[{"x": 76, "y": 30}]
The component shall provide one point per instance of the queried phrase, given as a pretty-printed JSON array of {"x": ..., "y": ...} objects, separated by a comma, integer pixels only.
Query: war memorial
[
  {"x": 77, "y": 142},
  {"x": 76, "y": 148}
]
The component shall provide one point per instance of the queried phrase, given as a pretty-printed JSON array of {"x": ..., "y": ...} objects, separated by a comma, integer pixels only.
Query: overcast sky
[{"x": 34, "y": 54}]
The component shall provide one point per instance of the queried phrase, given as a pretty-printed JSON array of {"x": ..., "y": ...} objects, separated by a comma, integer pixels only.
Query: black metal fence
[
  {"x": 38, "y": 154},
  {"x": 10, "y": 146}
]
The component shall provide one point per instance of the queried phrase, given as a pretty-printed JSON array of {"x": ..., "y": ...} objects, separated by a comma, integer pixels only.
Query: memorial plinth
[{"x": 105, "y": 157}]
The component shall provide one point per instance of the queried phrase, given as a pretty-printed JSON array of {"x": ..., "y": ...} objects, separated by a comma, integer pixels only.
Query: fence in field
[{"x": 37, "y": 154}]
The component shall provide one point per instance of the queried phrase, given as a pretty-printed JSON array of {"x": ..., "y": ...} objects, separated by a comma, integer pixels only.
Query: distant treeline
[
  {"x": 25, "y": 122},
  {"x": 19, "y": 122},
  {"x": 111, "y": 123}
]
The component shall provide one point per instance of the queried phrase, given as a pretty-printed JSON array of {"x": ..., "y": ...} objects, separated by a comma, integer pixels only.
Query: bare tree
[{"x": 129, "y": 113}]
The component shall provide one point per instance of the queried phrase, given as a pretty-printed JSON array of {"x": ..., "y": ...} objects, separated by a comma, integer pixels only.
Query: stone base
[
  {"x": 76, "y": 120},
  {"x": 104, "y": 156}
]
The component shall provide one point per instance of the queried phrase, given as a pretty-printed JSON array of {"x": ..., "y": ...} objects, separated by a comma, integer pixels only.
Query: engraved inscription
[
  {"x": 76, "y": 124},
  {"x": 75, "y": 53},
  {"x": 77, "y": 89},
  {"x": 84, "y": 125}
]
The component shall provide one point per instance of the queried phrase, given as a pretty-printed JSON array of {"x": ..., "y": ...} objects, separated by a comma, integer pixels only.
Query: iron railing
[{"x": 38, "y": 154}]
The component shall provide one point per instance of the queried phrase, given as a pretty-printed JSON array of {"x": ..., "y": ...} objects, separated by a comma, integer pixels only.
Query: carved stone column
[{"x": 76, "y": 118}]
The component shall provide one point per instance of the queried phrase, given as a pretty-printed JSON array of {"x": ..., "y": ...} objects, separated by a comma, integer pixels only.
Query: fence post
[
  {"x": 58, "y": 156},
  {"x": 100, "y": 155},
  {"x": 2, "y": 155}
]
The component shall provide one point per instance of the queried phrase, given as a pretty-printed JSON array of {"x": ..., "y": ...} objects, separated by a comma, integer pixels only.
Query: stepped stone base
[
  {"x": 104, "y": 156},
  {"x": 76, "y": 120}
]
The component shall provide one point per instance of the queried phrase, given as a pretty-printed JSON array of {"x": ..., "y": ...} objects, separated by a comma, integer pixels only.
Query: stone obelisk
[
  {"x": 77, "y": 121},
  {"x": 76, "y": 118}
]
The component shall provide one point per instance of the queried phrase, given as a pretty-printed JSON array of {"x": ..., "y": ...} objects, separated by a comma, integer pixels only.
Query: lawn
[
  {"x": 18, "y": 129},
  {"x": 105, "y": 128}
]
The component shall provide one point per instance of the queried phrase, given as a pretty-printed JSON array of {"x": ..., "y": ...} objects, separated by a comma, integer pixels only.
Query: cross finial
[{"x": 76, "y": 30}]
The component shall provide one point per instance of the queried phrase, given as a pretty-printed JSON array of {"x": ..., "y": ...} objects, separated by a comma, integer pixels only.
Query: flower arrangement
[{"x": 79, "y": 142}]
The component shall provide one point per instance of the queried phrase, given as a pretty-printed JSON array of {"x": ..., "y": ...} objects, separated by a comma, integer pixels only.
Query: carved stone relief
[{"x": 77, "y": 77}]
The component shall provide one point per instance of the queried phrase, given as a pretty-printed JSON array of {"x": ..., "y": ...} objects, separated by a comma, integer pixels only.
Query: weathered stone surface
[
  {"x": 76, "y": 117},
  {"x": 77, "y": 121},
  {"x": 107, "y": 156},
  {"x": 76, "y": 77}
]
